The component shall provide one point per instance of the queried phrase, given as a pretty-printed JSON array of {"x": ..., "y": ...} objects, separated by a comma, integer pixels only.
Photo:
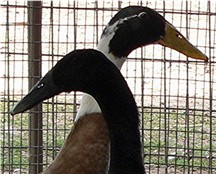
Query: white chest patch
[{"x": 88, "y": 106}]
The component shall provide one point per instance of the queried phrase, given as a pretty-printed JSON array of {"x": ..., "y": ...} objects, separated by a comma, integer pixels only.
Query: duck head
[
  {"x": 80, "y": 70},
  {"x": 137, "y": 26}
]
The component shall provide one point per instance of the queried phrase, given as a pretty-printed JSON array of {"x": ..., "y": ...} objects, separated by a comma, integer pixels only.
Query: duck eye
[
  {"x": 143, "y": 15},
  {"x": 179, "y": 36},
  {"x": 41, "y": 85}
]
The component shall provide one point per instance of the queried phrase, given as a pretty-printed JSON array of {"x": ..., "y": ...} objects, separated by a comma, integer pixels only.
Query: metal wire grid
[{"x": 175, "y": 95}]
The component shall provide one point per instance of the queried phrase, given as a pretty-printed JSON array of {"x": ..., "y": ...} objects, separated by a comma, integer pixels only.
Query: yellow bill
[{"x": 175, "y": 40}]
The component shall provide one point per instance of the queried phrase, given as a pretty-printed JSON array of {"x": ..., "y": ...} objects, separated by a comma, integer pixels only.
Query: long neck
[
  {"x": 88, "y": 103},
  {"x": 120, "y": 112},
  {"x": 103, "y": 46}
]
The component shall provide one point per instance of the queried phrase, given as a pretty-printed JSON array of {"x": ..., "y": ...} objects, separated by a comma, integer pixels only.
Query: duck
[
  {"x": 130, "y": 28},
  {"x": 133, "y": 27},
  {"x": 91, "y": 72}
]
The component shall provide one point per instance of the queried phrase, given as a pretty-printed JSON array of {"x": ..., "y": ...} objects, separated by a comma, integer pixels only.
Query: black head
[
  {"x": 80, "y": 70},
  {"x": 137, "y": 26},
  {"x": 79, "y": 66}
]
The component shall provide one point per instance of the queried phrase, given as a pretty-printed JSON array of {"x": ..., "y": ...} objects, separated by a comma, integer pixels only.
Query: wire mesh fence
[{"x": 176, "y": 95}]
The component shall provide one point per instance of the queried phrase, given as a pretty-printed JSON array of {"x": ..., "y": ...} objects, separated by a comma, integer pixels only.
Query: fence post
[{"x": 34, "y": 53}]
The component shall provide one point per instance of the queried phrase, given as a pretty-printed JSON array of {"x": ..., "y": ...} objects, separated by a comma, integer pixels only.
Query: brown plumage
[{"x": 85, "y": 149}]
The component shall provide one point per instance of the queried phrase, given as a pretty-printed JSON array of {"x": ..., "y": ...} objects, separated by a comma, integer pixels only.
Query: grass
[
  {"x": 15, "y": 135},
  {"x": 171, "y": 140},
  {"x": 14, "y": 140},
  {"x": 166, "y": 137}
]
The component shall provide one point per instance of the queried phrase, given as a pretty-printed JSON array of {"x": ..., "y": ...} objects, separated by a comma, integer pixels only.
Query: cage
[{"x": 176, "y": 95}]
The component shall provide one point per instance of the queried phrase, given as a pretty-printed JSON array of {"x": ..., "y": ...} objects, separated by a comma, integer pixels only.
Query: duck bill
[
  {"x": 175, "y": 40},
  {"x": 44, "y": 89}
]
